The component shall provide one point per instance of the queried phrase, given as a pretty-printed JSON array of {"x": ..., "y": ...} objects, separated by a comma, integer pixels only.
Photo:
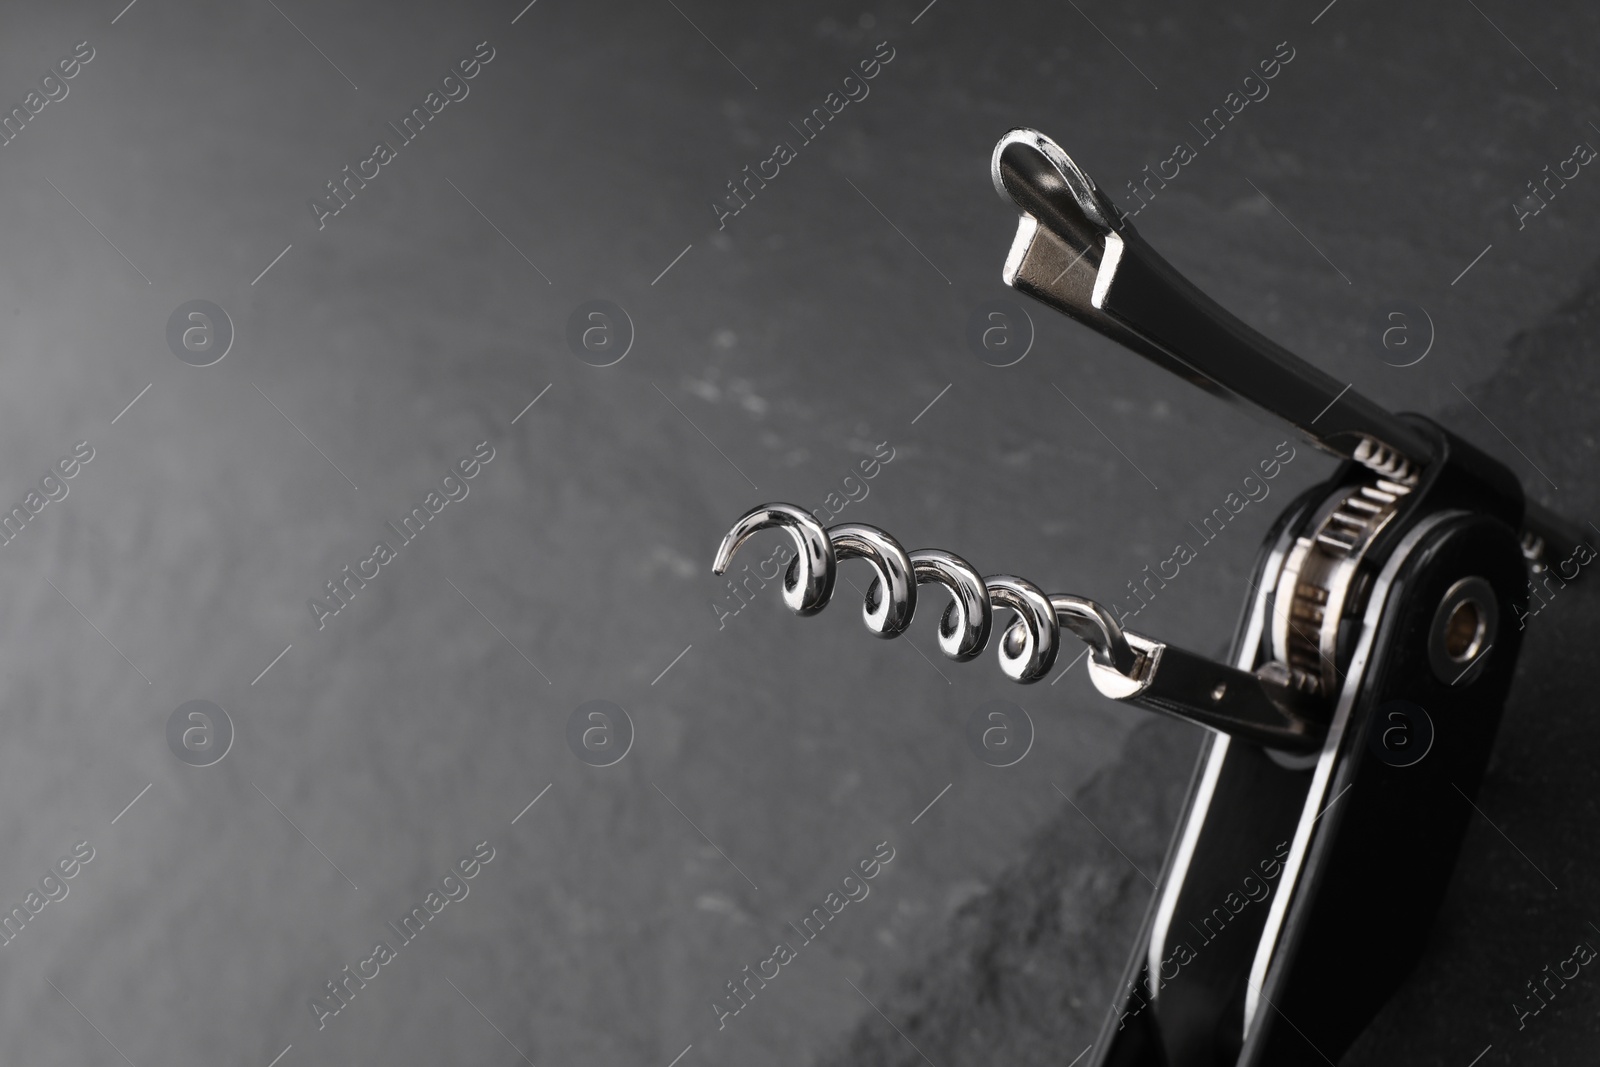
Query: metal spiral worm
[{"x": 1027, "y": 649}]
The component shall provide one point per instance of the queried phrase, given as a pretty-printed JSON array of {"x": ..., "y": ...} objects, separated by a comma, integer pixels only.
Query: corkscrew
[
  {"x": 1124, "y": 665},
  {"x": 1385, "y": 594}
]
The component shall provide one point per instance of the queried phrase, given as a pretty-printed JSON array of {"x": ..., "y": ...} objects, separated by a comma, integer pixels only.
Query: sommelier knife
[{"x": 1352, "y": 723}]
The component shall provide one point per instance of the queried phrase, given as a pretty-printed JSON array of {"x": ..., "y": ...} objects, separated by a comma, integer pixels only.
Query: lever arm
[{"x": 1075, "y": 251}]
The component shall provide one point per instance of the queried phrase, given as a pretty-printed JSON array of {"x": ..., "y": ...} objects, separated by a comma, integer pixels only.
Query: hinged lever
[
  {"x": 1075, "y": 251},
  {"x": 1262, "y": 708}
]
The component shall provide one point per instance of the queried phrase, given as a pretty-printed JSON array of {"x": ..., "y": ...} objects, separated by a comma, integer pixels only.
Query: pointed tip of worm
[{"x": 724, "y": 557}]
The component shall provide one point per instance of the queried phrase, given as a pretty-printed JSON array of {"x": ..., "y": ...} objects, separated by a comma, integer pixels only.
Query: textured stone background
[{"x": 796, "y": 339}]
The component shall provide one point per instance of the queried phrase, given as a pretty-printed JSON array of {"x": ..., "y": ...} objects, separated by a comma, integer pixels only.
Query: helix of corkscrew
[{"x": 1027, "y": 649}]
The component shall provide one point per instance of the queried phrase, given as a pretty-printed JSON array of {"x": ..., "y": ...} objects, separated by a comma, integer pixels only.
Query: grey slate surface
[{"x": 812, "y": 328}]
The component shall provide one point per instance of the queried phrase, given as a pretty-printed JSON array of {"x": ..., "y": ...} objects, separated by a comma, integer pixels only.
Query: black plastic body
[{"x": 1380, "y": 855}]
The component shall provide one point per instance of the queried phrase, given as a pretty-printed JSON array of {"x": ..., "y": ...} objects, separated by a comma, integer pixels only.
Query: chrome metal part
[
  {"x": 1463, "y": 631},
  {"x": 1315, "y": 589},
  {"x": 1262, "y": 708},
  {"x": 964, "y": 627},
  {"x": 808, "y": 584},
  {"x": 885, "y": 615}
]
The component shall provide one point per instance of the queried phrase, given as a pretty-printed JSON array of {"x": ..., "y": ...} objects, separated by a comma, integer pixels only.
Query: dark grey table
[{"x": 771, "y": 351}]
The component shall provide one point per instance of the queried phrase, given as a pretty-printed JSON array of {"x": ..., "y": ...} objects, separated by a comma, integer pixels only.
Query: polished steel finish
[
  {"x": 1464, "y": 628},
  {"x": 887, "y": 616},
  {"x": 808, "y": 584},
  {"x": 1315, "y": 586},
  {"x": 1252, "y": 707},
  {"x": 964, "y": 627},
  {"x": 1261, "y": 707},
  {"x": 1029, "y": 649},
  {"x": 1094, "y": 624},
  {"x": 1025, "y": 656}
]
